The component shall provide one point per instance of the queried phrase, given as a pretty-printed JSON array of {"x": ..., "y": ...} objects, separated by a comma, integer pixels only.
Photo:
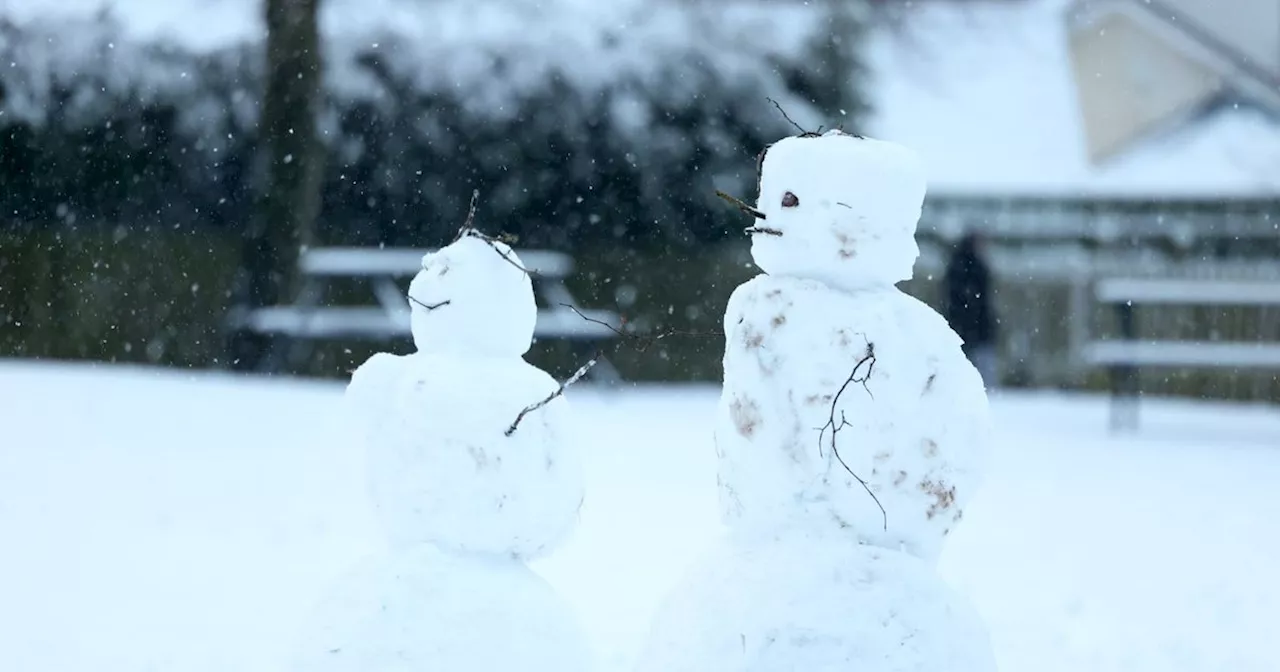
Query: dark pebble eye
[{"x": 789, "y": 200}]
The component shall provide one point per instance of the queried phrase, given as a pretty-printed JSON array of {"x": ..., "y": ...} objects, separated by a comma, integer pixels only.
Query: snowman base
[
  {"x": 427, "y": 609},
  {"x": 815, "y": 605}
]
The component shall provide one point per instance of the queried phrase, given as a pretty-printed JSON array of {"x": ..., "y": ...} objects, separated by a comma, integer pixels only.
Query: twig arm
[
  {"x": 862, "y": 376},
  {"x": 577, "y": 375}
]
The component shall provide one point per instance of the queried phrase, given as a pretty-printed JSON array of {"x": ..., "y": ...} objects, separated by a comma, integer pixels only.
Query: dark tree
[
  {"x": 831, "y": 76},
  {"x": 293, "y": 154}
]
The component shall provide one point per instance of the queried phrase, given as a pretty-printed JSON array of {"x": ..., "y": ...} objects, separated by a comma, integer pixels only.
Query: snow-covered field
[{"x": 181, "y": 523}]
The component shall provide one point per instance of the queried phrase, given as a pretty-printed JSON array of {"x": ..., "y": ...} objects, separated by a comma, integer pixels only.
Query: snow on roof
[{"x": 985, "y": 92}]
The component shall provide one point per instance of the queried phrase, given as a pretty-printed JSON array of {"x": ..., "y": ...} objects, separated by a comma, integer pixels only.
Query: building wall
[{"x": 1130, "y": 82}]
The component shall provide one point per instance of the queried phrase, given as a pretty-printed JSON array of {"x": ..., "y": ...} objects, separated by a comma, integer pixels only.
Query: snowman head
[
  {"x": 840, "y": 209},
  {"x": 473, "y": 297}
]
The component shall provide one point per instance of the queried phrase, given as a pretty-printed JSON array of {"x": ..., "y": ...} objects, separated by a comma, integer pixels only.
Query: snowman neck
[
  {"x": 847, "y": 283},
  {"x": 803, "y": 524},
  {"x": 476, "y": 556}
]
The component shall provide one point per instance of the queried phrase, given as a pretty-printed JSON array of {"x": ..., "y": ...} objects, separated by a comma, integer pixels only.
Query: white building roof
[{"x": 985, "y": 92}]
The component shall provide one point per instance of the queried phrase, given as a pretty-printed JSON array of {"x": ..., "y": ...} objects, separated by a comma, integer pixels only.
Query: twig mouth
[
  {"x": 431, "y": 306},
  {"x": 753, "y": 230}
]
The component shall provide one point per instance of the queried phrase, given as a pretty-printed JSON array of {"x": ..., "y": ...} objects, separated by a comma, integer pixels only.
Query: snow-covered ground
[{"x": 182, "y": 523}]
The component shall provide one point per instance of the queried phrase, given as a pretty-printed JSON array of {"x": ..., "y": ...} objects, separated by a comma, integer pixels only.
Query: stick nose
[{"x": 741, "y": 205}]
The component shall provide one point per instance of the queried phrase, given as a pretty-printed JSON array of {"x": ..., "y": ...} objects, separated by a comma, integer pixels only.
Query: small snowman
[
  {"x": 851, "y": 432},
  {"x": 473, "y": 473}
]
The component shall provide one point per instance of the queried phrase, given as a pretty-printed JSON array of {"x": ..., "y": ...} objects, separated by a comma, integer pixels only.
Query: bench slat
[
  {"x": 1184, "y": 353},
  {"x": 366, "y": 261},
  {"x": 375, "y": 323},
  {"x": 1177, "y": 291}
]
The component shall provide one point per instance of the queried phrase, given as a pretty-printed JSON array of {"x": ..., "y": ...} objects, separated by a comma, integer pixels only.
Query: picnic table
[
  {"x": 308, "y": 320},
  {"x": 1125, "y": 356}
]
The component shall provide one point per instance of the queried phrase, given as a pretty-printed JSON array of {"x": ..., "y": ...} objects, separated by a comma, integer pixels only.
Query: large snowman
[
  {"x": 850, "y": 433},
  {"x": 466, "y": 494}
]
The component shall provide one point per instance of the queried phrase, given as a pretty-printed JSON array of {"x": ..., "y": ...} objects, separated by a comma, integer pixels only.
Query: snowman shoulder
[
  {"x": 744, "y": 295},
  {"x": 763, "y": 296},
  {"x": 927, "y": 322},
  {"x": 376, "y": 371},
  {"x": 452, "y": 391},
  {"x": 943, "y": 346},
  {"x": 955, "y": 388},
  {"x": 526, "y": 380},
  {"x": 511, "y": 385},
  {"x": 374, "y": 381}
]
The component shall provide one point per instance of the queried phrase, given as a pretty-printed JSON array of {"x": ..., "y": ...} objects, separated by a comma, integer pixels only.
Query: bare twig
[
  {"x": 429, "y": 306},
  {"x": 790, "y": 120},
  {"x": 492, "y": 242},
  {"x": 763, "y": 230},
  {"x": 471, "y": 210},
  {"x": 862, "y": 376},
  {"x": 741, "y": 205},
  {"x": 593, "y": 320},
  {"x": 787, "y": 116},
  {"x": 468, "y": 225},
  {"x": 840, "y": 131},
  {"x": 803, "y": 132},
  {"x": 468, "y": 230},
  {"x": 645, "y": 341},
  {"x": 577, "y": 375}
]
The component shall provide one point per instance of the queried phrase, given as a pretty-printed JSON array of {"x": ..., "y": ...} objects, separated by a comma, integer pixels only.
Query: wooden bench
[
  {"x": 307, "y": 320},
  {"x": 1124, "y": 357}
]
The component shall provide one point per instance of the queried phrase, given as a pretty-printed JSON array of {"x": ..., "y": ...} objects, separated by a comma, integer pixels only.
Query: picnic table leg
[
  {"x": 293, "y": 352},
  {"x": 1079, "y": 321},
  {"x": 556, "y": 295},
  {"x": 246, "y": 347},
  {"x": 391, "y": 298},
  {"x": 276, "y": 358},
  {"x": 1125, "y": 382},
  {"x": 605, "y": 372},
  {"x": 1125, "y": 393},
  {"x": 273, "y": 362}
]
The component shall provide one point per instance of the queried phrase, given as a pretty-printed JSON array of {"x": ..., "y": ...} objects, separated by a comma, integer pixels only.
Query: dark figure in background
[{"x": 968, "y": 308}]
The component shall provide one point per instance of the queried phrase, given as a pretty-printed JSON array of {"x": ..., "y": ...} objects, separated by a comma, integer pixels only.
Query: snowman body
[
  {"x": 824, "y": 387},
  {"x": 850, "y": 435},
  {"x": 465, "y": 499}
]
